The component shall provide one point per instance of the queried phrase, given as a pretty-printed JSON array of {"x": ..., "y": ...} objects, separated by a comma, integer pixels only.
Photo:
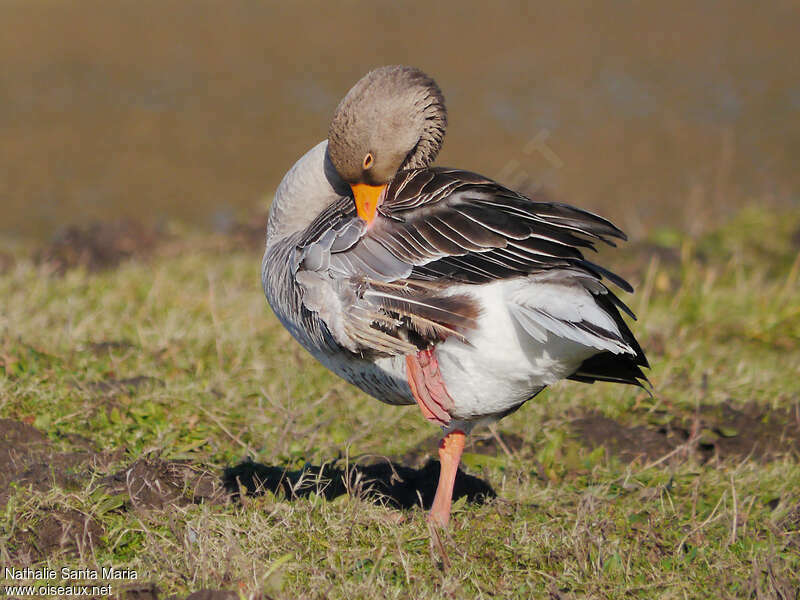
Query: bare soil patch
[
  {"x": 140, "y": 591},
  {"x": 29, "y": 460},
  {"x": 100, "y": 245},
  {"x": 104, "y": 245},
  {"x": 7, "y": 262},
  {"x": 152, "y": 483},
  {"x": 57, "y": 532},
  {"x": 721, "y": 431}
]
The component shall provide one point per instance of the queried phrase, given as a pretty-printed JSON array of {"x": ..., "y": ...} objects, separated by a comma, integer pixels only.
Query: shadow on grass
[{"x": 384, "y": 482}]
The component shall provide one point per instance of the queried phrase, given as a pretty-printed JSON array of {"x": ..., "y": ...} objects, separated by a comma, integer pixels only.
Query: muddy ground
[
  {"x": 99, "y": 245},
  {"x": 712, "y": 432},
  {"x": 107, "y": 244}
]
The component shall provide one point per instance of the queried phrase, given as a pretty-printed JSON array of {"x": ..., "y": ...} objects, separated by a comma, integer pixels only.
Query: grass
[{"x": 178, "y": 359}]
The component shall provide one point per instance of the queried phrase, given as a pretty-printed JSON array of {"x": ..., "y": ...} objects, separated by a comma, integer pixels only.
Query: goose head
[{"x": 393, "y": 119}]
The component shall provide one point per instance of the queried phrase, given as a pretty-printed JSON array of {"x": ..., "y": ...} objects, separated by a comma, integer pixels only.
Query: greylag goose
[{"x": 435, "y": 285}]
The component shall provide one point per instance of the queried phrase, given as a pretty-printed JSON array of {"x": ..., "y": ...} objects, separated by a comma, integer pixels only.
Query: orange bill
[{"x": 367, "y": 197}]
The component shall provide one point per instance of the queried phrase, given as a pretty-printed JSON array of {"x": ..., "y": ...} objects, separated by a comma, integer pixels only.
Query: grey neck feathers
[
  {"x": 432, "y": 127},
  {"x": 310, "y": 185}
]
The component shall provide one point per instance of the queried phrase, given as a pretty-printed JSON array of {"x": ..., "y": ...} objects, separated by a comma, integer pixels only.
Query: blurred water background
[{"x": 651, "y": 113}]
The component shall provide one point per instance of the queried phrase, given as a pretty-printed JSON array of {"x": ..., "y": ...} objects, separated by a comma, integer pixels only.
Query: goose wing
[{"x": 400, "y": 283}]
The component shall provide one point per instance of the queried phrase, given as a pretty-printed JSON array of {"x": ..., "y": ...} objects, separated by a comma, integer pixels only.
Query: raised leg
[
  {"x": 427, "y": 385},
  {"x": 450, "y": 449}
]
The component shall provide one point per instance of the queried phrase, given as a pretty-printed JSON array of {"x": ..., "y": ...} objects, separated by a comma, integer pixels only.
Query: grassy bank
[{"x": 128, "y": 392}]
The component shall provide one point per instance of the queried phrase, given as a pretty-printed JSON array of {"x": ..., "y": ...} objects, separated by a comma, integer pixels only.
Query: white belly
[{"x": 502, "y": 366}]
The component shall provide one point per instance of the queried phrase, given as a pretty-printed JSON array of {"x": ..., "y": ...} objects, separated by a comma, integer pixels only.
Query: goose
[{"x": 437, "y": 286}]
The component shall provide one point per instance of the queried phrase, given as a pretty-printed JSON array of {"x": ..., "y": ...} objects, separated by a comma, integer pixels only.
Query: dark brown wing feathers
[{"x": 443, "y": 226}]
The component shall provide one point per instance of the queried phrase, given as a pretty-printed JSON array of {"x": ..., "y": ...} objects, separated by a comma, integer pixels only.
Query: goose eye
[{"x": 368, "y": 161}]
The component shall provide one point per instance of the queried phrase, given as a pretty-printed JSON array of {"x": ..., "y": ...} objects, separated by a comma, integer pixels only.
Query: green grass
[{"x": 718, "y": 315}]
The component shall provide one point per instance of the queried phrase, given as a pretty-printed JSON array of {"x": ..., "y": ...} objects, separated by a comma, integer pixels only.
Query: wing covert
[{"x": 387, "y": 287}]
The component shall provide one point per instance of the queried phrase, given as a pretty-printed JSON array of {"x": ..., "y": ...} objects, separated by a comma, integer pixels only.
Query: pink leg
[
  {"x": 422, "y": 372},
  {"x": 435, "y": 403},
  {"x": 450, "y": 449}
]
